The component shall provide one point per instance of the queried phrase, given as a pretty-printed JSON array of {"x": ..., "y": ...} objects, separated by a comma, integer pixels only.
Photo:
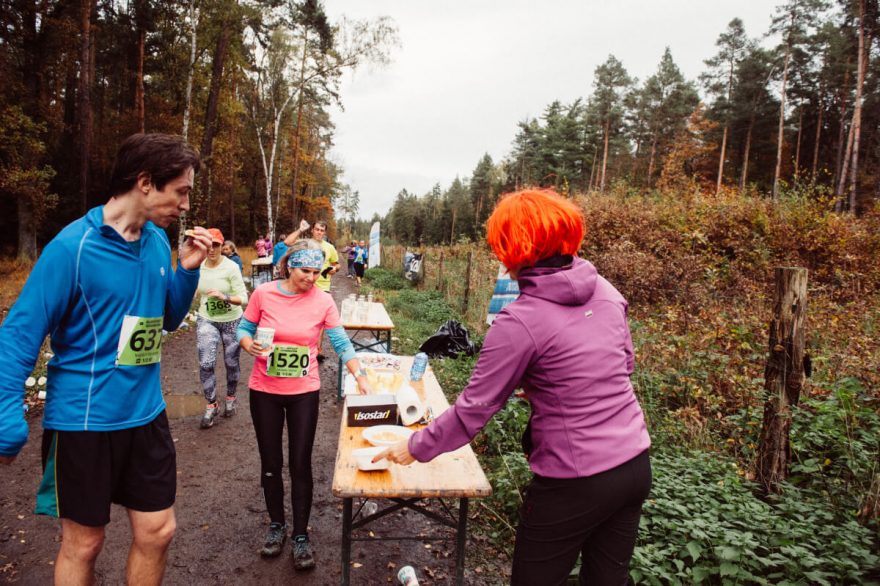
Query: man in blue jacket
[{"x": 103, "y": 290}]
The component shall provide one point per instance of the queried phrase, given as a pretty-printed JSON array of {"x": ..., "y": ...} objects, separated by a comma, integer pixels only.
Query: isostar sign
[{"x": 369, "y": 410}]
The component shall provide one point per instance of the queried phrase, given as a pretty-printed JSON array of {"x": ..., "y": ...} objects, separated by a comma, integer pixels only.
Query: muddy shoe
[
  {"x": 303, "y": 559},
  {"x": 231, "y": 406},
  {"x": 209, "y": 416},
  {"x": 274, "y": 540}
]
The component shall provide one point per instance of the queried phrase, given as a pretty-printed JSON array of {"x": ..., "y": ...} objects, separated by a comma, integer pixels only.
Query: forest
[
  {"x": 799, "y": 117},
  {"x": 249, "y": 84}
]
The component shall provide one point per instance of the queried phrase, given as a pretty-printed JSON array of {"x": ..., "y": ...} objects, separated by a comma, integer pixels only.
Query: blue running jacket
[{"x": 104, "y": 308}]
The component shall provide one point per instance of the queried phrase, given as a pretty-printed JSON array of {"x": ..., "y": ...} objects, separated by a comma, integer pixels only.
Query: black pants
[
  {"x": 269, "y": 412},
  {"x": 597, "y": 516}
]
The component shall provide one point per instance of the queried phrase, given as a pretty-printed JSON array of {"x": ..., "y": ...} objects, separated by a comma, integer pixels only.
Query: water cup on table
[{"x": 264, "y": 338}]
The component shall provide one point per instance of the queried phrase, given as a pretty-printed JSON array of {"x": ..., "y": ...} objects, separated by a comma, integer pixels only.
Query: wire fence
[{"x": 464, "y": 273}]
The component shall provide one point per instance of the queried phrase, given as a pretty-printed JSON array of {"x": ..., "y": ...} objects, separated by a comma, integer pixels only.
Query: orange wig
[{"x": 530, "y": 225}]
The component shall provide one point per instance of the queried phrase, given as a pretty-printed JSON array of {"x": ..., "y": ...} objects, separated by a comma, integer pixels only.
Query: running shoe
[
  {"x": 303, "y": 558},
  {"x": 210, "y": 414},
  {"x": 231, "y": 407},
  {"x": 274, "y": 540}
]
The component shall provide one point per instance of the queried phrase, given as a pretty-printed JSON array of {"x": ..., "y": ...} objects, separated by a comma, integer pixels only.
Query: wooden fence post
[
  {"x": 783, "y": 376},
  {"x": 467, "y": 283},
  {"x": 440, "y": 272}
]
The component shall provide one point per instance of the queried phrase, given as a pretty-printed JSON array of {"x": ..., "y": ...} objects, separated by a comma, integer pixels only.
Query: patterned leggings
[{"x": 208, "y": 334}]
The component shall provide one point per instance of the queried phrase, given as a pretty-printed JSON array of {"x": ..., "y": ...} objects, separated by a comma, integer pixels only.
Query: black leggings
[
  {"x": 269, "y": 412},
  {"x": 596, "y": 516}
]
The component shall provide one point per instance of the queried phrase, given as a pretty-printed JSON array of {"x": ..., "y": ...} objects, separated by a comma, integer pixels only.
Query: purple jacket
[{"x": 566, "y": 342}]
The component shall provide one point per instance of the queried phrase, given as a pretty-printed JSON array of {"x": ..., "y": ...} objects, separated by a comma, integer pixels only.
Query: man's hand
[
  {"x": 398, "y": 453},
  {"x": 303, "y": 226},
  {"x": 194, "y": 249},
  {"x": 7, "y": 460},
  {"x": 215, "y": 293}
]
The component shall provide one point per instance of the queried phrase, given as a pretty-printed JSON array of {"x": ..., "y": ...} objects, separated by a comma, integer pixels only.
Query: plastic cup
[{"x": 264, "y": 337}]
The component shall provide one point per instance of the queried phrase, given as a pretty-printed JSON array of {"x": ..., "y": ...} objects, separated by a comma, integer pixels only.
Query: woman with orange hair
[{"x": 565, "y": 341}]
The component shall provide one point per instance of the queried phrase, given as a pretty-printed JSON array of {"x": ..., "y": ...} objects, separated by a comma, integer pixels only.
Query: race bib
[
  {"x": 288, "y": 362},
  {"x": 140, "y": 341},
  {"x": 217, "y": 307}
]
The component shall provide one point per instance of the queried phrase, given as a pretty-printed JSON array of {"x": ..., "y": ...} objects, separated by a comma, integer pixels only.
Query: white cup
[{"x": 264, "y": 337}]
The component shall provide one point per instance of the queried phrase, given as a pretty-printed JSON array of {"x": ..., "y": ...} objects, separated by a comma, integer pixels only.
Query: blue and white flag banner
[
  {"x": 375, "y": 257},
  {"x": 506, "y": 291}
]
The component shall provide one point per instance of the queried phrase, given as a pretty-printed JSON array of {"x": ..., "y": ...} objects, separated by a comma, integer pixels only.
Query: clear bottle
[
  {"x": 419, "y": 366},
  {"x": 407, "y": 576}
]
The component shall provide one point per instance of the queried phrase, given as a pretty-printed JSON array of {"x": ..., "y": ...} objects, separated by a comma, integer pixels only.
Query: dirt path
[{"x": 220, "y": 509}]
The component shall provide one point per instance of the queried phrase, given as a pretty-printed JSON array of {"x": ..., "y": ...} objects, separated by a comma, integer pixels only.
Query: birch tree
[{"x": 277, "y": 84}]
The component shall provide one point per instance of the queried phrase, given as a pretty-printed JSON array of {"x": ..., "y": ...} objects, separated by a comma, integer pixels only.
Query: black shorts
[
  {"x": 85, "y": 471},
  {"x": 359, "y": 269}
]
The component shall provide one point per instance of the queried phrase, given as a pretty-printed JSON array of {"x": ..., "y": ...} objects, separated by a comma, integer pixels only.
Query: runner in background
[
  {"x": 331, "y": 262},
  {"x": 361, "y": 254},
  {"x": 222, "y": 294},
  {"x": 105, "y": 433},
  {"x": 278, "y": 251},
  {"x": 349, "y": 252},
  {"x": 263, "y": 246},
  {"x": 284, "y": 387},
  {"x": 230, "y": 251}
]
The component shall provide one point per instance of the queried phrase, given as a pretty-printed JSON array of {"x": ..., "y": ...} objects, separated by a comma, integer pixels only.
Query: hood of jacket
[{"x": 569, "y": 285}]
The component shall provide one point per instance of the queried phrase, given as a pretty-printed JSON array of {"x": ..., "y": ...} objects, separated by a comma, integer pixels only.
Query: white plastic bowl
[
  {"x": 364, "y": 457},
  {"x": 381, "y": 435}
]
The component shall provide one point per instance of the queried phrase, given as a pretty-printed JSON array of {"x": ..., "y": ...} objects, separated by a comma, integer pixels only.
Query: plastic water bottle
[
  {"x": 407, "y": 576},
  {"x": 419, "y": 366}
]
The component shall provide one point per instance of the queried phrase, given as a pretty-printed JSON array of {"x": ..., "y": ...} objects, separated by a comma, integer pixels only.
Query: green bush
[
  {"x": 835, "y": 442},
  {"x": 386, "y": 279},
  {"x": 703, "y": 524}
]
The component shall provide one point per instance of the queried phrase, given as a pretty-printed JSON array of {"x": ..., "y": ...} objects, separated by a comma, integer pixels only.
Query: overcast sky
[{"x": 467, "y": 71}]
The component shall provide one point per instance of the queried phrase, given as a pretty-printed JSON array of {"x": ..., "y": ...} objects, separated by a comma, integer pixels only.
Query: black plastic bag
[{"x": 450, "y": 340}]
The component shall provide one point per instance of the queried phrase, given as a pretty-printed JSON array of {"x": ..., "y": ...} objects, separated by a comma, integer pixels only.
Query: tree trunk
[
  {"x": 783, "y": 376},
  {"x": 780, "y": 140},
  {"x": 721, "y": 160},
  {"x": 604, "y": 156},
  {"x": 857, "y": 109},
  {"x": 232, "y": 208},
  {"x": 139, "y": 82},
  {"x": 593, "y": 167},
  {"x": 745, "y": 171},
  {"x": 815, "y": 166},
  {"x": 841, "y": 145},
  {"x": 85, "y": 103},
  {"x": 299, "y": 118},
  {"x": 194, "y": 23},
  {"x": 452, "y": 231},
  {"x": 651, "y": 160},
  {"x": 797, "y": 150},
  {"x": 210, "y": 129},
  {"x": 27, "y": 233}
]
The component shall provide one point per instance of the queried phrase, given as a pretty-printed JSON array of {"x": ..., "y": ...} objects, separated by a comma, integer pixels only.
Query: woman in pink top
[
  {"x": 261, "y": 246},
  {"x": 565, "y": 341},
  {"x": 284, "y": 386}
]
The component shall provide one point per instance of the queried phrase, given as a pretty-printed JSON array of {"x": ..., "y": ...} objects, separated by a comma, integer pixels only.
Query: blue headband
[{"x": 306, "y": 259}]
